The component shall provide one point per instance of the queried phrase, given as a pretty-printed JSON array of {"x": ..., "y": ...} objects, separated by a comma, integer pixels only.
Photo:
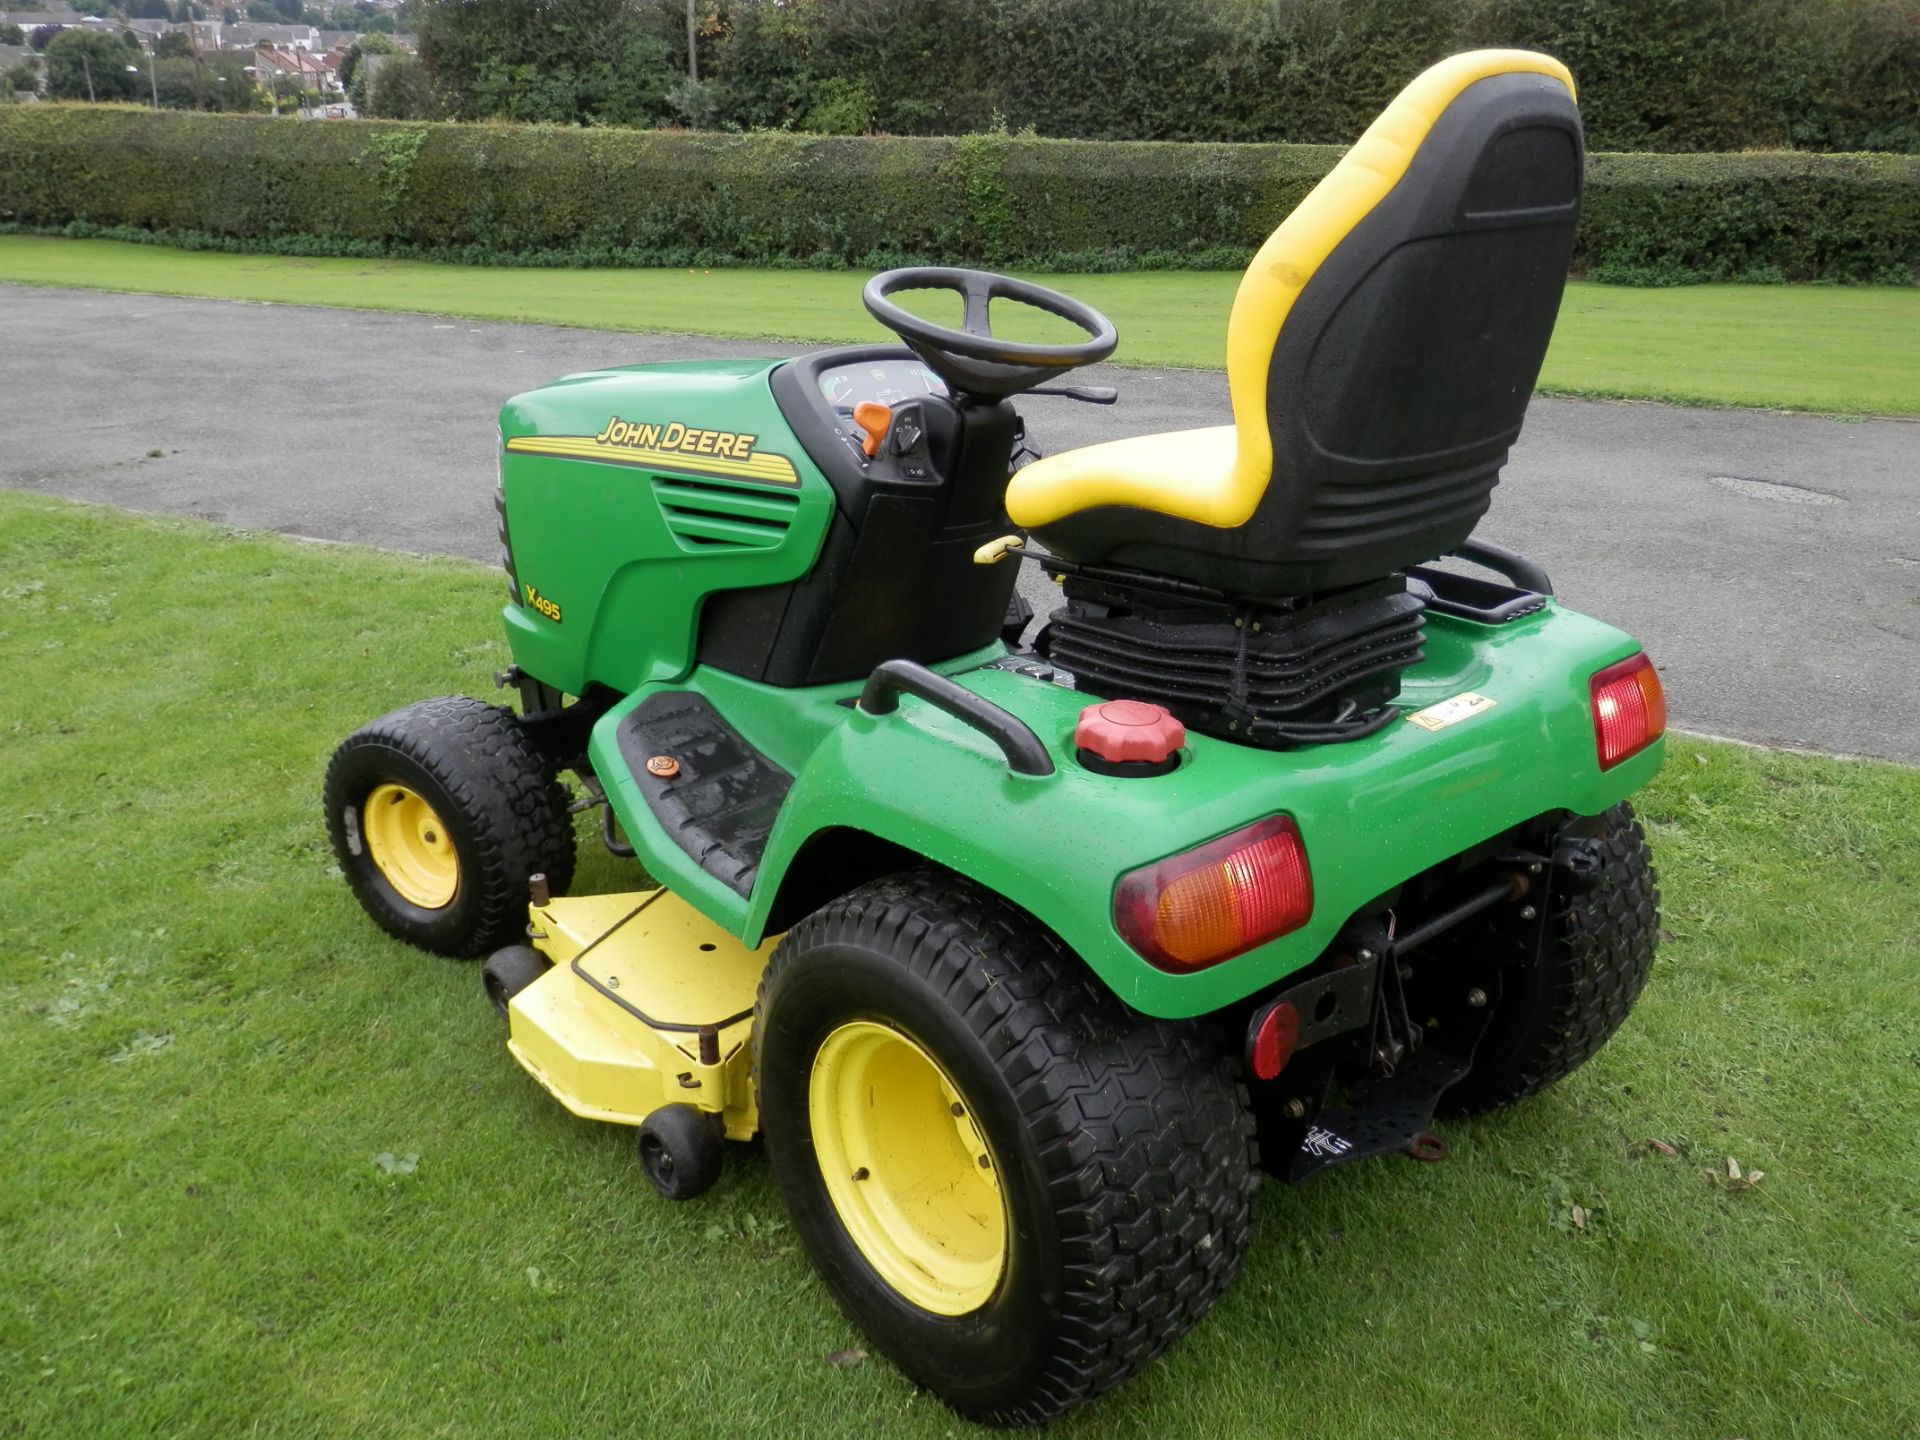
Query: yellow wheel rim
[
  {"x": 408, "y": 842},
  {"x": 907, "y": 1169}
]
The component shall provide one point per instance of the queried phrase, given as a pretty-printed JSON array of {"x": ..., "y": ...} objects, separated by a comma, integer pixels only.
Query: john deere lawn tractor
[{"x": 1301, "y": 821}]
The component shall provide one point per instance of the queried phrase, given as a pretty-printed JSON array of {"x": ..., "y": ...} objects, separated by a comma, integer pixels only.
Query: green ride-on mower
[{"x": 1301, "y": 821}]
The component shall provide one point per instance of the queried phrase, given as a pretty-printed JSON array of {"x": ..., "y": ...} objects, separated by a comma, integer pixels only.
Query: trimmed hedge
[{"x": 557, "y": 196}]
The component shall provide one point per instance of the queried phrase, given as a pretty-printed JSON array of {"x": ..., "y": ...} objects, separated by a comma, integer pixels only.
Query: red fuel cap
[{"x": 1129, "y": 732}]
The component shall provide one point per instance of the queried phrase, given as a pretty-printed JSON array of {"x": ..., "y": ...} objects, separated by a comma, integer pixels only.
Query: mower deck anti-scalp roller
[{"x": 1300, "y": 826}]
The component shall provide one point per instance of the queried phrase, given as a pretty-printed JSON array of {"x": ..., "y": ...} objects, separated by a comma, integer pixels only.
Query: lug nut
[
  {"x": 1296, "y": 1108},
  {"x": 957, "y": 1108},
  {"x": 861, "y": 1173},
  {"x": 1477, "y": 998},
  {"x": 1367, "y": 957},
  {"x": 1527, "y": 912}
]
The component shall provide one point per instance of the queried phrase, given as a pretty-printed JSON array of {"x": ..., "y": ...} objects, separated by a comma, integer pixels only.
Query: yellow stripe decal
[{"x": 768, "y": 469}]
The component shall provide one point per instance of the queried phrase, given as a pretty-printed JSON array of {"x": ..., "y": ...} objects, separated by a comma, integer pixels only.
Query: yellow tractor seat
[{"x": 1381, "y": 350}]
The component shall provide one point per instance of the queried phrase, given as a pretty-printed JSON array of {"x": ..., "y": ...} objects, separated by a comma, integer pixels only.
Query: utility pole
[
  {"x": 693, "y": 44},
  {"x": 153, "y": 76},
  {"x": 89, "y": 69},
  {"x": 199, "y": 67}
]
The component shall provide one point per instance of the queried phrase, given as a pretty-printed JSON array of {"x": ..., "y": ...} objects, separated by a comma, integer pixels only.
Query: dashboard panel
[{"x": 884, "y": 381}]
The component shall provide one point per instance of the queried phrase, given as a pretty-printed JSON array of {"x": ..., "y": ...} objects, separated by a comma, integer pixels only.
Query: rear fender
[{"x": 1373, "y": 813}]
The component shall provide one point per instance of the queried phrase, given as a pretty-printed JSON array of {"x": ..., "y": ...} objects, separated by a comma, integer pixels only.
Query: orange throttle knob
[{"x": 874, "y": 418}]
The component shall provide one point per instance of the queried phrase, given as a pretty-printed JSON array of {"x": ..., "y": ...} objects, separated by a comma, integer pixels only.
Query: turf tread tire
[
  {"x": 509, "y": 816},
  {"x": 1140, "y": 1128},
  {"x": 1598, "y": 951}
]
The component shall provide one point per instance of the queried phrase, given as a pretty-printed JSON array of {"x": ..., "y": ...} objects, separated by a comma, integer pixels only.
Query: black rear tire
[
  {"x": 1121, "y": 1146},
  {"x": 1554, "y": 1015},
  {"x": 503, "y": 810}
]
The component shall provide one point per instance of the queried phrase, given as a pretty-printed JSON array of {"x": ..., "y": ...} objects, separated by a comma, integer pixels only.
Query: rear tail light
[
  {"x": 1629, "y": 709},
  {"x": 1218, "y": 900}
]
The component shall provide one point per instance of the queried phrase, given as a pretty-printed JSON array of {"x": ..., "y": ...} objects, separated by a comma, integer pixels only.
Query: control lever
[
  {"x": 1092, "y": 394},
  {"x": 873, "y": 418}
]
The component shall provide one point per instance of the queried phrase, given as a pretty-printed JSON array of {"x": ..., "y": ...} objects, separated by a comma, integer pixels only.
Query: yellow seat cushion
[{"x": 1189, "y": 473}]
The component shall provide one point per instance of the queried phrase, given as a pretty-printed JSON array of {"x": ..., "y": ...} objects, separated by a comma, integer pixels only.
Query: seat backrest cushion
[{"x": 1386, "y": 339}]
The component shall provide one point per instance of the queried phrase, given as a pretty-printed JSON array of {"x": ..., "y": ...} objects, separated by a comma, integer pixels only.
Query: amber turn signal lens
[
  {"x": 1217, "y": 900},
  {"x": 1629, "y": 709}
]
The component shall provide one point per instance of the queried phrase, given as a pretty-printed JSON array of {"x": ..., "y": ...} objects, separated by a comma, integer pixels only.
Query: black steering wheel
[{"x": 972, "y": 360}]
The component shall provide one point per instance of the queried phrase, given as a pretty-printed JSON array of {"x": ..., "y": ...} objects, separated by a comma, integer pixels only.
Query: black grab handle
[
  {"x": 1510, "y": 563},
  {"x": 891, "y": 678}
]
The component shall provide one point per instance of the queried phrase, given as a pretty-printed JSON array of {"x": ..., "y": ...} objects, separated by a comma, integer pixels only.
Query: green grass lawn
[
  {"x": 1854, "y": 350},
  {"x": 208, "y": 1045}
]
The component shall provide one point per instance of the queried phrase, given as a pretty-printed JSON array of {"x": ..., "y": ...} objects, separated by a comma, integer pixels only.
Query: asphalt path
[{"x": 1769, "y": 562}]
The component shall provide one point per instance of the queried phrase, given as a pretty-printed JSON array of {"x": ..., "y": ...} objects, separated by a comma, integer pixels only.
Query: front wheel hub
[
  {"x": 907, "y": 1169},
  {"x": 408, "y": 841}
]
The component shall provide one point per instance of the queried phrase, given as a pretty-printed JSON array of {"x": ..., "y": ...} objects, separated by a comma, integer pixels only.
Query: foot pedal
[{"x": 710, "y": 790}]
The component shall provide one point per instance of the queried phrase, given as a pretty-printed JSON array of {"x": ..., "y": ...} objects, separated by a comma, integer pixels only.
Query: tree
[
  {"x": 75, "y": 56},
  {"x": 43, "y": 36},
  {"x": 21, "y": 79},
  {"x": 12, "y": 34},
  {"x": 882, "y": 53},
  {"x": 228, "y": 86},
  {"x": 401, "y": 90},
  {"x": 762, "y": 69},
  {"x": 359, "y": 16},
  {"x": 352, "y": 65},
  {"x": 559, "y": 61},
  {"x": 174, "y": 45},
  {"x": 229, "y": 16}
]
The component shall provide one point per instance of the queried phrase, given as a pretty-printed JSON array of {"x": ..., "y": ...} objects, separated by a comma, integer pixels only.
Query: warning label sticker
[{"x": 1450, "y": 712}]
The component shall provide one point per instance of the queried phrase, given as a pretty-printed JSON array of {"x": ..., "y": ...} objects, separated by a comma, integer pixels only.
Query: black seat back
[{"x": 1401, "y": 377}]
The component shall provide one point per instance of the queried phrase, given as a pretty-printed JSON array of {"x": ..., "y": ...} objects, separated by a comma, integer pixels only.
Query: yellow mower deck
[{"x": 642, "y": 986}]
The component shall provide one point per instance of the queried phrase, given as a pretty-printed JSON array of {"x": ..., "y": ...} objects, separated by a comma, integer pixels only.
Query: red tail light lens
[
  {"x": 1218, "y": 900},
  {"x": 1629, "y": 709}
]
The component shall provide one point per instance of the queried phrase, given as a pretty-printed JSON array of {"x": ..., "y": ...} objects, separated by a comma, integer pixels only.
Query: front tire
[
  {"x": 1555, "y": 1013},
  {"x": 1021, "y": 1191},
  {"x": 438, "y": 814}
]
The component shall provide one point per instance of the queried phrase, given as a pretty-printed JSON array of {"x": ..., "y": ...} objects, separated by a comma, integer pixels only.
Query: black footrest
[{"x": 720, "y": 797}]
